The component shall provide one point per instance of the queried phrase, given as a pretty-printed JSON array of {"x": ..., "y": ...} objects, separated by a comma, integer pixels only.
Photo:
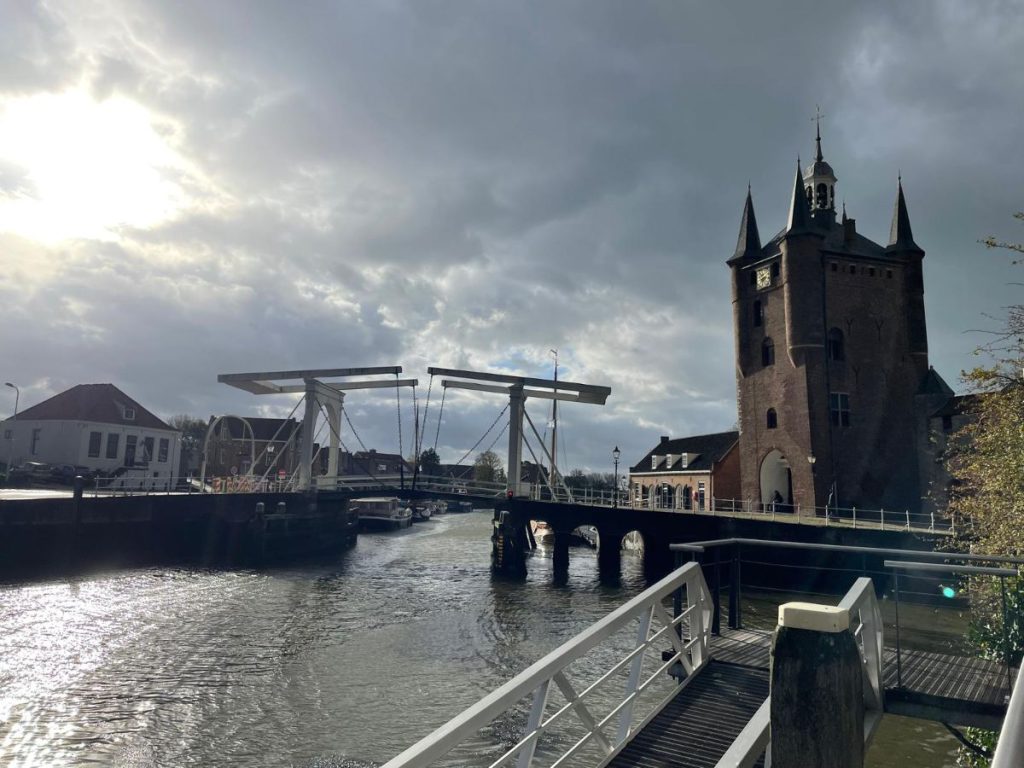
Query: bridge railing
[
  {"x": 604, "y": 720},
  {"x": 1010, "y": 747}
]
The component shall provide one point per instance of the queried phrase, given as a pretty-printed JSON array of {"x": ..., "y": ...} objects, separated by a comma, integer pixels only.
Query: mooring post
[
  {"x": 735, "y": 596},
  {"x": 817, "y": 689},
  {"x": 79, "y": 488},
  {"x": 716, "y": 593}
]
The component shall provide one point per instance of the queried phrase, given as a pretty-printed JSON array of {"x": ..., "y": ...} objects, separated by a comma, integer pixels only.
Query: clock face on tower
[{"x": 764, "y": 277}]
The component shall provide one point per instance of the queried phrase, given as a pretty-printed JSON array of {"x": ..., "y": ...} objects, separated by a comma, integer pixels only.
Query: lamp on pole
[
  {"x": 616, "y": 453},
  {"x": 10, "y": 440}
]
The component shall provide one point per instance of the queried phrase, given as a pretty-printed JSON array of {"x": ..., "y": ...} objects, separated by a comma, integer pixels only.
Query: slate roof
[
  {"x": 958, "y": 406},
  {"x": 835, "y": 242},
  {"x": 934, "y": 384},
  {"x": 704, "y": 450},
  {"x": 100, "y": 403}
]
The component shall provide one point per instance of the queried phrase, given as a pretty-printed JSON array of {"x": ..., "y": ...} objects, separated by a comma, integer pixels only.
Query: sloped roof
[
  {"x": 958, "y": 406},
  {"x": 934, "y": 384},
  {"x": 262, "y": 428},
  {"x": 704, "y": 450},
  {"x": 100, "y": 403}
]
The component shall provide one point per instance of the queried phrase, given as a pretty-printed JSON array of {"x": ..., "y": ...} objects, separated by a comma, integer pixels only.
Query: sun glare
[{"x": 73, "y": 167}]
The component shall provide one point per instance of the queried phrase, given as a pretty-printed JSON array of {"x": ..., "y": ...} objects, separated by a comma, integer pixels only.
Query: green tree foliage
[
  {"x": 430, "y": 462},
  {"x": 487, "y": 468},
  {"x": 987, "y": 499}
]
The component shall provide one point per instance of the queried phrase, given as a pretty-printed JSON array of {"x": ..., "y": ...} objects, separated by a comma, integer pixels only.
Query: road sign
[{"x": 281, "y": 474}]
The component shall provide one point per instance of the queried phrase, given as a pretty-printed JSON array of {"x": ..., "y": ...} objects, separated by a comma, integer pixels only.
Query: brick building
[
  {"x": 835, "y": 395},
  {"x": 687, "y": 473}
]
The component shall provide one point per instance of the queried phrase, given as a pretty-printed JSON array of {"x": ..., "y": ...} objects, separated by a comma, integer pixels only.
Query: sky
[{"x": 196, "y": 188}]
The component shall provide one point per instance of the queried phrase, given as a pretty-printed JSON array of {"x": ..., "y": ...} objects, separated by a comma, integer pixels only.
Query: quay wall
[{"x": 66, "y": 535}]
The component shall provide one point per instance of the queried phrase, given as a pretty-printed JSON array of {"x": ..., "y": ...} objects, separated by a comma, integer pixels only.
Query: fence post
[
  {"x": 817, "y": 689},
  {"x": 908, "y": 519},
  {"x": 932, "y": 526},
  {"x": 855, "y": 518},
  {"x": 883, "y": 517}
]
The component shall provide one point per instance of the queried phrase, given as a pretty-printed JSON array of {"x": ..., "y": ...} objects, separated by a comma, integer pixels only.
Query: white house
[{"x": 96, "y": 426}]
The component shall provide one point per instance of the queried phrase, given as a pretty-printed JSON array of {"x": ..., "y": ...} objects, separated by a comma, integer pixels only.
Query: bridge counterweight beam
[{"x": 308, "y": 422}]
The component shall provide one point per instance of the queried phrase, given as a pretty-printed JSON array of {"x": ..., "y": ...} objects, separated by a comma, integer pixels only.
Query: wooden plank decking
[
  {"x": 698, "y": 726},
  {"x": 944, "y": 687}
]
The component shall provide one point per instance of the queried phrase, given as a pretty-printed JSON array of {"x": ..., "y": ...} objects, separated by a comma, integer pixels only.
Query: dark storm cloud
[{"x": 473, "y": 184}]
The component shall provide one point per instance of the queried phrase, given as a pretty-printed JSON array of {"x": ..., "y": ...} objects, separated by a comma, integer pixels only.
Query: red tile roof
[{"x": 102, "y": 403}]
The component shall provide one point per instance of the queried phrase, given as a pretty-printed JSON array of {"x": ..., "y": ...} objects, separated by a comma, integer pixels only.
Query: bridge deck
[
  {"x": 696, "y": 728},
  {"x": 954, "y": 684}
]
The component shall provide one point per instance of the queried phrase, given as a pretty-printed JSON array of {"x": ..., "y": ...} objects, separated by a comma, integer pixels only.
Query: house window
[
  {"x": 36, "y": 434},
  {"x": 164, "y": 445},
  {"x": 684, "y": 460},
  {"x": 129, "y": 414},
  {"x": 758, "y": 314},
  {"x": 382, "y": 467},
  {"x": 767, "y": 352},
  {"x": 687, "y": 497},
  {"x": 835, "y": 345},
  {"x": 130, "y": 443},
  {"x": 839, "y": 406},
  {"x": 147, "y": 449},
  {"x": 95, "y": 439},
  {"x": 8, "y": 434},
  {"x": 947, "y": 423},
  {"x": 700, "y": 495},
  {"x": 654, "y": 462},
  {"x": 113, "y": 444},
  {"x": 772, "y": 419},
  {"x": 668, "y": 461}
]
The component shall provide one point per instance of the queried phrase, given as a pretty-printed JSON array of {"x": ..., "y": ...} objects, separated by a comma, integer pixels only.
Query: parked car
[
  {"x": 29, "y": 473},
  {"x": 66, "y": 473}
]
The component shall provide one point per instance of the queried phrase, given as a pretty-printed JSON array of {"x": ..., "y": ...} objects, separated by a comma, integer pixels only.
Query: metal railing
[
  {"x": 1010, "y": 747},
  {"x": 685, "y": 626}
]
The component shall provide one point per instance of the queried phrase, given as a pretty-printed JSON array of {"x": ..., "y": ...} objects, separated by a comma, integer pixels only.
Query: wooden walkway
[
  {"x": 696, "y": 728},
  {"x": 935, "y": 686}
]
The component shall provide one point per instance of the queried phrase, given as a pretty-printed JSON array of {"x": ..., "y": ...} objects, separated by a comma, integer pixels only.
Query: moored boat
[{"x": 382, "y": 513}]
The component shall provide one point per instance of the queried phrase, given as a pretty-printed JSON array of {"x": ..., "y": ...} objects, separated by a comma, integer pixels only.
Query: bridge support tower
[{"x": 510, "y": 543}]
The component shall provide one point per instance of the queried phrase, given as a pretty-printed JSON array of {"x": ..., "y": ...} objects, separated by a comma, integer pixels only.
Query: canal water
[{"x": 340, "y": 663}]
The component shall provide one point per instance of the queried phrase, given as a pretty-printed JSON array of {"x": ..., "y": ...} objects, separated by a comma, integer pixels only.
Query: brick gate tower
[{"x": 831, "y": 354}]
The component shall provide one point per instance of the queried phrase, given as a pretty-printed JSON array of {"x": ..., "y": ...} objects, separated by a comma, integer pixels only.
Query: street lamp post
[
  {"x": 10, "y": 440},
  {"x": 615, "y": 457}
]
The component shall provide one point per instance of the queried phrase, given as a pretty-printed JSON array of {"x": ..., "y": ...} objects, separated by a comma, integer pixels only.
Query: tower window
[
  {"x": 888, "y": 273},
  {"x": 758, "y": 314},
  {"x": 839, "y": 407},
  {"x": 772, "y": 419},
  {"x": 835, "y": 345},
  {"x": 775, "y": 269},
  {"x": 822, "y": 196},
  {"x": 767, "y": 352},
  {"x": 947, "y": 423},
  {"x": 871, "y": 271},
  {"x": 753, "y": 277},
  {"x": 853, "y": 269},
  {"x": 835, "y": 267},
  {"x": 810, "y": 195}
]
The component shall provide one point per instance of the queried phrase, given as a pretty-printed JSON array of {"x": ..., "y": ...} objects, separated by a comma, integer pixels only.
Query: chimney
[
  {"x": 849, "y": 230},
  {"x": 664, "y": 439}
]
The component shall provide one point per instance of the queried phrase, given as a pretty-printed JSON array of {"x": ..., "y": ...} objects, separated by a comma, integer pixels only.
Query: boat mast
[{"x": 554, "y": 428}]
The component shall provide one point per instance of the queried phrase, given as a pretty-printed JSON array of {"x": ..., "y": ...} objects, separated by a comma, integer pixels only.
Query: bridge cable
[
  {"x": 415, "y": 436},
  {"x": 484, "y": 435},
  {"x": 540, "y": 469},
  {"x": 423, "y": 421}
]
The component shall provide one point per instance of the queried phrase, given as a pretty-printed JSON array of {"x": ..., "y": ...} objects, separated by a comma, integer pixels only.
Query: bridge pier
[
  {"x": 510, "y": 543},
  {"x": 609, "y": 554},
  {"x": 560, "y": 558}
]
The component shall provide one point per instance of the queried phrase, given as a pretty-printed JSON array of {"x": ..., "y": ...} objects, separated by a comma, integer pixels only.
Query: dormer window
[
  {"x": 654, "y": 462},
  {"x": 668, "y": 461},
  {"x": 129, "y": 414},
  {"x": 684, "y": 460}
]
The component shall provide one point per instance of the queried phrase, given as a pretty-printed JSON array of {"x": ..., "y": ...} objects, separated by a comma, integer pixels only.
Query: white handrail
[
  {"x": 866, "y": 625},
  {"x": 536, "y": 680}
]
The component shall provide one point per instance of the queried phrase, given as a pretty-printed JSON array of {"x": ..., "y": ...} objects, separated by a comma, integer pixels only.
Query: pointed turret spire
[
  {"x": 844, "y": 211},
  {"x": 749, "y": 242},
  {"x": 901, "y": 238},
  {"x": 818, "y": 157},
  {"x": 799, "y": 214}
]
